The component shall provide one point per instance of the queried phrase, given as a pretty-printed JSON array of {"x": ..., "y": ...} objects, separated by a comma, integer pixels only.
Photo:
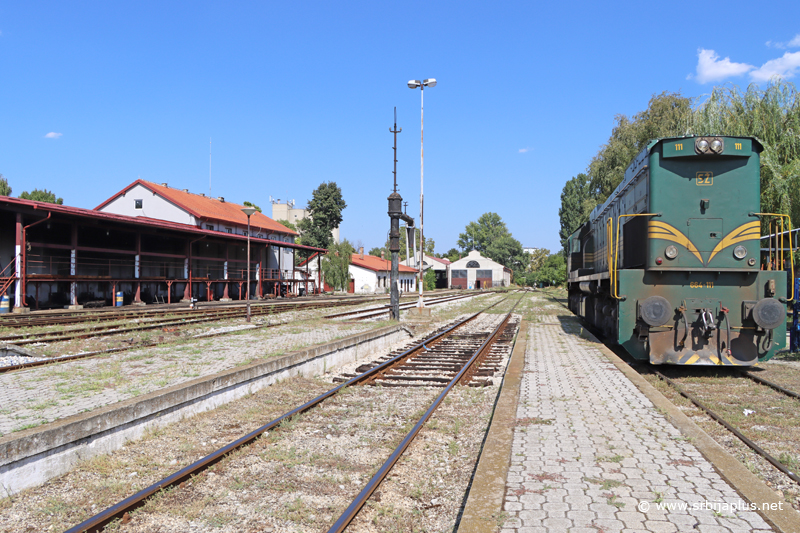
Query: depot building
[{"x": 477, "y": 272}]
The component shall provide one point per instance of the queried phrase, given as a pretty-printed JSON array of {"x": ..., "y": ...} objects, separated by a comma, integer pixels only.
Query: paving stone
[
  {"x": 557, "y": 524},
  {"x": 598, "y": 413},
  {"x": 658, "y": 526}
]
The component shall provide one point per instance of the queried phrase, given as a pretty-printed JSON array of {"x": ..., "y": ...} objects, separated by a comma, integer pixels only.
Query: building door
[{"x": 351, "y": 287}]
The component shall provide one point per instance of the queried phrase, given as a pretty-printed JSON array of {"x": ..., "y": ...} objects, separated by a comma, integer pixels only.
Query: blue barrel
[
  {"x": 4, "y": 304},
  {"x": 118, "y": 303}
]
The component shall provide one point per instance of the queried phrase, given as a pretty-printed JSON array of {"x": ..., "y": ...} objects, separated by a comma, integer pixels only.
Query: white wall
[
  {"x": 153, "y": 206},
  {"x": 498, "y": 271},
  {"x": 365, "y": 280}
]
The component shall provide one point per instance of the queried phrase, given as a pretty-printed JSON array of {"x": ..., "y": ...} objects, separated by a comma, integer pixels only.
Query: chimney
[
  {"x": 361, "y": 251},
  {"x": 221, "y": 199},
  {"x": 202, "y": 194},
  {"x": 164, "y": 185},
  {"x": 382, "y": 253},
  {"x": 185, "y": 190}
]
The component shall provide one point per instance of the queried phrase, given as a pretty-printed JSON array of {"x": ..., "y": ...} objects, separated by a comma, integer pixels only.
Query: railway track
[
  {"x": 363, "y": 314},
  {"x": 167, "y": 325},
  {"x": 450, "y": 343},
  {"x": 127, "y": 314},
  {"x": 145, "y": 324}
]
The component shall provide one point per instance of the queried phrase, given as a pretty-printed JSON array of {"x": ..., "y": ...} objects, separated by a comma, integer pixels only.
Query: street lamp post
[
  {"x": 414, "y": 84},
  {"x": 249, "y": 212}
]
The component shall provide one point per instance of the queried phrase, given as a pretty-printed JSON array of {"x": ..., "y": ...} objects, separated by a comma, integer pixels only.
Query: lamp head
[
  {"x": 413, "y": 84},
  {"x": 429, "y": 82},
  {"x": 248, "y": 211}
]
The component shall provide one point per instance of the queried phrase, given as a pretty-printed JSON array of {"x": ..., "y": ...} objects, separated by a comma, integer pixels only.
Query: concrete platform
[
  {"x": 586, "y": 451},
  {"x": 32, "y": 456}
]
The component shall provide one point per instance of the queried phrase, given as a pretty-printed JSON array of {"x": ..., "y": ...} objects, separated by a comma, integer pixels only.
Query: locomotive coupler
[{"x": 708, "y": 322}]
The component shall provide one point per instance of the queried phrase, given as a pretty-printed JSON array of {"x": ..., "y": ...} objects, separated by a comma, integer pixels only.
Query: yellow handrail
[
  {"x": 616, "y": 249},
  {"x": 782, "y": 248},
  {"x": 609, "y": 241}
]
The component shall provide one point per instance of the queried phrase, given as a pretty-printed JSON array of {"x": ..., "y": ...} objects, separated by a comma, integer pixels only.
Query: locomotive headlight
[
  {"x": 740, "y": 252},
  {"x": 716, "y": 146},
  {"x": 702, "y": 146},
  {"x": 671, "y": 252}
]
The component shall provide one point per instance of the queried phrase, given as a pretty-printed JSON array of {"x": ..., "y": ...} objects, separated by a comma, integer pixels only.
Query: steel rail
[
  {"x": 112, "y": 313},
  {"x": 97, "y": 522},
  {"x": 404, "y": 306},
  {"x": 386, "y": 308},
  {"x": 362, "y": 497},
  {"x": 775, "y": 386},
  {"x": 755, "y": 447},
  {"x": 153, "y": 323},
  {"x": 73, "y": 357}
]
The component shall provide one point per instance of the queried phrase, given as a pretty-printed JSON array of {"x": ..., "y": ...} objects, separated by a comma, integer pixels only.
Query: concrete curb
[
  {"x": 31, "y": 457},
  {"x": 484, "y": 507},
  {"x": 782, "y": 517}
]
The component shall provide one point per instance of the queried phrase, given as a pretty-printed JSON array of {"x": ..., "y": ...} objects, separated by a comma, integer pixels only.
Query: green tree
[
  {"x": 5, "y": 188},
  {"x": 430, "y": 280},
  {"x": 291, "y": 225},
  {"x": 376, "y": 252},
  {"x": 41, "y": 196},
  {"x": 667, "y": 115},
  {"x": 452, "y": 255},
  {"x": 325, "y": 209},
  {"x": 577, "y": 203},
  {"x": 772, "y": 115},
  {"x": 553, "y": 271},
  {"x": 538, "y": 257},
  {"x": 336, "y": 265},
  {"x": 248, "y": 204},
  {"x": 490, "y": 236}
]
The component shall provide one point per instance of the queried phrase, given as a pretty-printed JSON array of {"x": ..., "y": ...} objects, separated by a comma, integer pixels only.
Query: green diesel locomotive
[{"x": 670, "y": 266}]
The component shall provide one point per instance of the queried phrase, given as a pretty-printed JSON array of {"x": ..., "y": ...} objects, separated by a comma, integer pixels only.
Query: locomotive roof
[{"x": 639, "y": 163}]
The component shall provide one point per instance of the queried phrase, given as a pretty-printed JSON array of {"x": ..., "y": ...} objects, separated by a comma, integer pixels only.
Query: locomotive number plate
[
  {"x": 704, "y": 178},
  {"x": 701, "y": 284}
]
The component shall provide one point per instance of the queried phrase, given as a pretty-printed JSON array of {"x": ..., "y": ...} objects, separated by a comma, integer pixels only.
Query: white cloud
[
  {"x": 523, "y": 150},
  {"x": 794, "y": 43},
  {"x": 711, "y": 68},
  {"x": 53, "y": 135},
  {"x": 783, "y": 67}
]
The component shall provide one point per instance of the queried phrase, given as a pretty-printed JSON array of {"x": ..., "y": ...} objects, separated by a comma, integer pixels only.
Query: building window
[
  {"x": 244, "y": 233},
  {"x": 209, "y": 226},
  {"x": 473, "y": 264},
  {"x": 229, "y": 230},
  {"x": 458, "y": 274},
  {"x": 137, "y": 204},
  {"x": 260, "y": 236}
]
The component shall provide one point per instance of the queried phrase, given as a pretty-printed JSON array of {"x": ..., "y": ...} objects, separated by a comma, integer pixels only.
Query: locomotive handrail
[
  {"x": 616, "y": 250},
  {"x": 782, "y": 248},
  {"x": 609, "y": 244}
]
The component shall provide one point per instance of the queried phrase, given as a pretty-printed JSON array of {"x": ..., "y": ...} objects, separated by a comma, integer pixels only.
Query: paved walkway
[{"x": 591, "y": 454}]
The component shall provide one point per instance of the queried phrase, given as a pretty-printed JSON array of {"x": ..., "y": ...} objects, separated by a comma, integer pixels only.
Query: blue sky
[{"x": 97, "y": 94}]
